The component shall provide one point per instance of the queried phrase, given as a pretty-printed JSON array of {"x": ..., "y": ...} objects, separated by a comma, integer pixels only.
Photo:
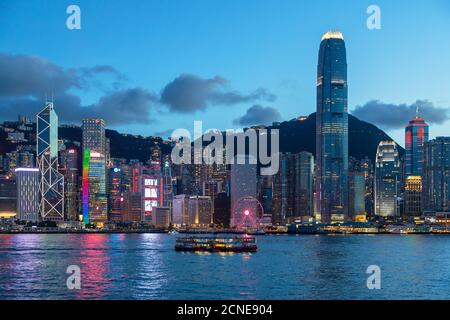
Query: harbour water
[{"x": 146, "y": 266}]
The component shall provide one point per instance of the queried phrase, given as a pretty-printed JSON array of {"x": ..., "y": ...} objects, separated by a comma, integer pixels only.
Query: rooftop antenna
[{"x": 417, "y": 110}]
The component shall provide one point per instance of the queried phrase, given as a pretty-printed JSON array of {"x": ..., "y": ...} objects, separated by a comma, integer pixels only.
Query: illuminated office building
[
  {"x": 69, "y": 161},
  {"x": 8, "y": 197},
  {"x": 243, "y": 183},
  {"x": 115, "y": 195},
  {"x": 51, "y": 181},
  {"x": 413, "y": 196},
  {"x": 200, "y": 208},
  {"x": 332, "y": 129},
  {"x": 95, "y": 204},
  {"x": 416, "y": 135},
  {"x": 27, "y": 181},
  {"x": 180, "y": 210},
  {"x": 387, "y": 179},
  {"x": 436, "y": 175}
]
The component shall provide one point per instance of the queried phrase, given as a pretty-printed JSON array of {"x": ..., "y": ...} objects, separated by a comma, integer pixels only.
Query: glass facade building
[
  {"x": 27, "y": 181},
  {"x": 332, "y": 129},
  {"x": 416, "y": 135},
  {"x": 387, "y": 179},
  {"x": 436, "y": 175},
  {"x": 51, "y": 181},
  {"x": 95, "y": 203}
]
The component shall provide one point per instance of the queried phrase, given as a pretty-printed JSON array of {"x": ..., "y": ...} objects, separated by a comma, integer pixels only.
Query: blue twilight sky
[{"x": 249, "y": 60}]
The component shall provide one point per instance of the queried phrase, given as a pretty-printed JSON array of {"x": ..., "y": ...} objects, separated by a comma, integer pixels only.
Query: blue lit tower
[{"x": 332, "y": 129}]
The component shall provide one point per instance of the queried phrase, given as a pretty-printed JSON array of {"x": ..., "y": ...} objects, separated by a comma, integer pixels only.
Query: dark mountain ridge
[{"x": 295, "y": 136}]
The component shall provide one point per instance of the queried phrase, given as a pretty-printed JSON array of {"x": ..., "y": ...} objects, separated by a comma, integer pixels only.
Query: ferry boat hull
[{"x": 244, "y": 243}]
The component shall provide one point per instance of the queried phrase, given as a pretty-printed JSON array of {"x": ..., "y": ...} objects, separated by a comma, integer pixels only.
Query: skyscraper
[
  {"x": 413, "y": 196},
  {"x": 387, "y": 179},
  {"x": 332, "y": 129},
  {"x": 304, "y": 176},
  {"x": 416, "y": 135},
  {"x": 243, "y": 183},
  {"x": 69, "y": 159},
  {"x": 94, "y": 171},
  {"x": 436, "y": 175},
  {"x": 115, "y": 195},
  {"x": 51, "y": 181},
  {"x": 167, "y": 184},
  {"x": 27, "y": 180},
  {"x": 180, "y": 210}
]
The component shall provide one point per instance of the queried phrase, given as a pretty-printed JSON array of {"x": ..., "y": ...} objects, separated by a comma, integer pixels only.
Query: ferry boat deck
[{"x": 217, "y": 243}]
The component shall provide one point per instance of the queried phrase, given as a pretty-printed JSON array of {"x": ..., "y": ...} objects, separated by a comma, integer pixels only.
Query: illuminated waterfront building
[
  {"x": 8, "y": 197},
  {"x": 96, "y": 189},
  {"x": 332, "y": 129},
  {"x": 283, "y": 190},
  {"x": 180, "y": 210},
  {"x": 356, "y": 194},
  {"x": 200, "y": 208},
  {"x": 436, "y": 175},
  {"x": 152, "y": 196},
  {"x": 167, "y": 182},
  {"x": 51, "y": 184},
  {"x": 292, "y": 192},
  {"x": 69, "y": 161},
  {"x": 304, "y": 178},
  {"x": 243, "y": 182},
  {"x": 413, "y": 196},
  {"x": 115, "y": 195},
  {"x": 95, "y": 202},
  {"x": 162, "y": 217},
  {"x": 366, "y": 167},
  {"x": 266, "y": 194},
  {"x": 416, "y": 135},
  {"x": 387, "y": 179},
  {"x": 27, "y": 181}
]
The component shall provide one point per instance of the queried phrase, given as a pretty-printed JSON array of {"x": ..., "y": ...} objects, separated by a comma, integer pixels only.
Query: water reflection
[{"x": 145, "y": 266}]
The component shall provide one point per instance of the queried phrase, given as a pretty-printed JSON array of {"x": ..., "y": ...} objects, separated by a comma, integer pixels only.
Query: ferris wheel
[{"x": 248, "y": 212}]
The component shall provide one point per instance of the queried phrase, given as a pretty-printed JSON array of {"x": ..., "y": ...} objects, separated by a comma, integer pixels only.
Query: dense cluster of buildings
[{"x": 48, "y": 179}]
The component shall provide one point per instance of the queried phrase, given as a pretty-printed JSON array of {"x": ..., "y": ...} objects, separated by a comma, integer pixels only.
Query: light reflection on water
[{"x": 145, "y": 266}]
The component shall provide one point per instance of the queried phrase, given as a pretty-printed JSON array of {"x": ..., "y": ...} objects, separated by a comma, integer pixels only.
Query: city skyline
[
  {"x": 116, "y": 190},
  {"x": 247, "y": 93},
  {"x": 242, "y": 150}
]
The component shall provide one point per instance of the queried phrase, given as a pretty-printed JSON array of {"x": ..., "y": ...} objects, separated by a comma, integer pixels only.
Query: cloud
[
  {"x": 394, "y": 116},
  {"x": 258, "y": 114},
  {"x": 24, "y": 81},
  {"x": 124, "y": 106},
  {"x": 188, "y": 93},
  {"x": 23, "y": 75},
  {"x": 26, "y": 75}
]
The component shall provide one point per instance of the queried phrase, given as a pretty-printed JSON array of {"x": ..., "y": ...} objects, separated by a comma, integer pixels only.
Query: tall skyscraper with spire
[
  {"x": 416, "y": 135},
  {"x": 332, "y": 129},
  {"x": 51, "y": 186}
]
